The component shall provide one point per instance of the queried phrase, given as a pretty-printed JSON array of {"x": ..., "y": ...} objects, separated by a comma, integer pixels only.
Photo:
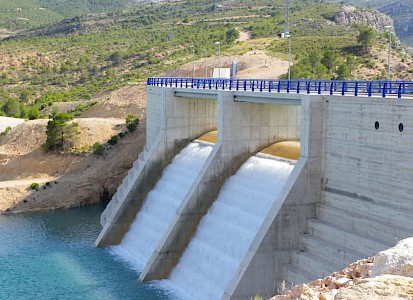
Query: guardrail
[{"x": 331, "y": 87}]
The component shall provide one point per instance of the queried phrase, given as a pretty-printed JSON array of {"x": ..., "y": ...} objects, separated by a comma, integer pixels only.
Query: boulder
[{"x": 396, "y": 261}]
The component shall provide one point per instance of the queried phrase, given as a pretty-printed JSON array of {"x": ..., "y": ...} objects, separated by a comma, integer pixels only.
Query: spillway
[
  {"x": 227, "y": 230},
  {"x": 160, "y": 205}
]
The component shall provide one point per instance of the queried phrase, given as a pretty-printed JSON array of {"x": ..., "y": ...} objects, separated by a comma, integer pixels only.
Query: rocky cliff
[{"x": 350, "y": 15}]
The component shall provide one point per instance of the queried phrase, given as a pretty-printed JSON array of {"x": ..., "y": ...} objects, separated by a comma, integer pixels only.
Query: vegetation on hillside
[
  {"x": 25, "y": 14},
  {"x": 76, "y": 58},
  {"x": 81, "y": 7}
]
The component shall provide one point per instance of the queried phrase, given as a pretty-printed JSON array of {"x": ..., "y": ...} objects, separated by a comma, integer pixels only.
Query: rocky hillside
[
  {"x": 350, "y": 15},
  {"x": 401, "y": 11}
]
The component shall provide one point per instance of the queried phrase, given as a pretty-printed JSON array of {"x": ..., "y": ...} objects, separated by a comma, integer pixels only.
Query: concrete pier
[{"x": 244, "y": 128}]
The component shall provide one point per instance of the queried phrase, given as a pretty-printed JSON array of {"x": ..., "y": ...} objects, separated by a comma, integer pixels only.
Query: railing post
[
  {"x": 230, "y": 84},
  {"x": 356, "y": 89},
  {"x": 279, "y": 86},
  {"x": 307, "y": 86},
  {"x": 237, "y": 85},
  {"x": 399, "y": 91},
  {"x": 343, "y": 88},
  {"x": 369, "y": 87},
  {"x": 245, "y": 85},
  {"x": 319, "y": 87},
  {"x": 269, "y": 86},
  {"x": 383, "y": 92},
  {"x": 331, "y": 88},
  {"x": 298, "y": 86}
]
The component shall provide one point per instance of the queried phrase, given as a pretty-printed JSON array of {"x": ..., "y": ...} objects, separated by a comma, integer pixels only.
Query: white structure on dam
[{"x": 348, "y": 196}]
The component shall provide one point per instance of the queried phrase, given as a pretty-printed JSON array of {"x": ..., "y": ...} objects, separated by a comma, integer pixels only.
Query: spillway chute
[
  {"x": 160, "y": 205},
  {"x": 227, "y": 230}
]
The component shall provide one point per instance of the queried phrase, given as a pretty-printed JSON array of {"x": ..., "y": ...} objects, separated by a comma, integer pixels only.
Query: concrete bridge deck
[{"x": 368, "y": 88}]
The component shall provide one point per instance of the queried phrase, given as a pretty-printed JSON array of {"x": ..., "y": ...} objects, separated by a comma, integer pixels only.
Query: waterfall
[
  {"x": 160, "y": 206},
  {"x": 227, "y": 230}
]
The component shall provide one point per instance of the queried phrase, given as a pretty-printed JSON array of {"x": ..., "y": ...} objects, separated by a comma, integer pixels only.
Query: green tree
[
  {"x": 116, "y": 58},
  {"x": 60, "y": 134},
  {"x": 366, "y": 37},
  {"x": 320, "y": 71},
  {"x": 329, "y": 59},
  {"x": 25, "y": 95},
  {"x": 342, "y": 72},
  {"x": 12, "y": 108},
  {"x": 314, "y": 58},
  {"x": 33, "y": 113},
  {"x": 232, "y": 34}
]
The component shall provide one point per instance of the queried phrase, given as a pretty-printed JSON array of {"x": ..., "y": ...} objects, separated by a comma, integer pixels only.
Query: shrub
[
  {"x": 113, "y": 140},
  {"x": 35, "y": 186},
  {"x": 97, "y": 148},
  {"x": 6, "y": 131},
  {"x": 132, "y": 122}
]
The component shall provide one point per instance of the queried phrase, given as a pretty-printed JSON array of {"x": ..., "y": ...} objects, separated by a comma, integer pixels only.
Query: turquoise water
[{"x": 52, "y": 256}]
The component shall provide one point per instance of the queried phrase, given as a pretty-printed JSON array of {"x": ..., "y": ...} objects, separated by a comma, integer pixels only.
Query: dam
[{"x": 346, "y": 197}]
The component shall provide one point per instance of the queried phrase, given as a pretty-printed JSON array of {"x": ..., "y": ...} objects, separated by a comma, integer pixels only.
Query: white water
[
  {"x": 226, "y": 232},
  {"x": 161, "y": 205}
]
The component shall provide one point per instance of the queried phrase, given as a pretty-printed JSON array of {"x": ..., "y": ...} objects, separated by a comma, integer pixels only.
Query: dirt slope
[{"x": 68, "y": 180}]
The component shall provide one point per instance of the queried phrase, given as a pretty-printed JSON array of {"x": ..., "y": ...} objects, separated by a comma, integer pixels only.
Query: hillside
[
  {"x": 20, "y": 15},
  {"x": 24, "y": 14},
  {"x": 82, "y": 7},
  {"x": 401, "y": 11}
]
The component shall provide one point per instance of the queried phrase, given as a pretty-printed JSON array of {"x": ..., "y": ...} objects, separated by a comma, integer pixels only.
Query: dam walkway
[{"x": 377, "y": 88}]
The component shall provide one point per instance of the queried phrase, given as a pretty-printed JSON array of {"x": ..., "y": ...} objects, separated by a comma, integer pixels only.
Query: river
[{"x": 52, "y": 256}]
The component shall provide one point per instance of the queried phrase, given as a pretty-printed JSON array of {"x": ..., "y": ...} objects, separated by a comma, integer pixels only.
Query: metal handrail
[{"x": 343, "y": 87}]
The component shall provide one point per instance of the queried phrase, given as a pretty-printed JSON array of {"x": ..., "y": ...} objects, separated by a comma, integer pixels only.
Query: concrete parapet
[
  {"x": 244, "y": 128},
  {"x": 171, "y": 124}
]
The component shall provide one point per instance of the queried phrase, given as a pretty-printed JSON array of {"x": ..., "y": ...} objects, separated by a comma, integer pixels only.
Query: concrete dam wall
[{"x": 346, "y": 197}]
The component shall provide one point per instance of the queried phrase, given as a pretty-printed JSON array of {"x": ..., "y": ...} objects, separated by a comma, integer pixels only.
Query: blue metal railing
[{"x": 331, "y": 87}]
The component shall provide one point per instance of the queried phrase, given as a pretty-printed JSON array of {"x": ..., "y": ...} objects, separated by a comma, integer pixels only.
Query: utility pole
[
  {"x": 389, "y": 54},
  {"x": 171, "y": 29},
  {"x": 287, "y": 17},
  {"x": 193, "y": 60},
  {"x": 219, "y": 59},
  {"x": 206, "y": 63},
  {"x": 287, "y": 34}
]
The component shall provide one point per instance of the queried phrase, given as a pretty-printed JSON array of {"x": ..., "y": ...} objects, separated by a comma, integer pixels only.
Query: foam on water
[
  {"x": 226, "y": 232},
  {"x": 160, "y": 206}
]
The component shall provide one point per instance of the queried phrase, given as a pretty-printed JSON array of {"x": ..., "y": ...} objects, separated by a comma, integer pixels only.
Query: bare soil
[{"x": 68, "y": 180}]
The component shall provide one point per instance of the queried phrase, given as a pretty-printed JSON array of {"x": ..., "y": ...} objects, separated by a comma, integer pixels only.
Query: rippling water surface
[{"x": 52, "y": 256}]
